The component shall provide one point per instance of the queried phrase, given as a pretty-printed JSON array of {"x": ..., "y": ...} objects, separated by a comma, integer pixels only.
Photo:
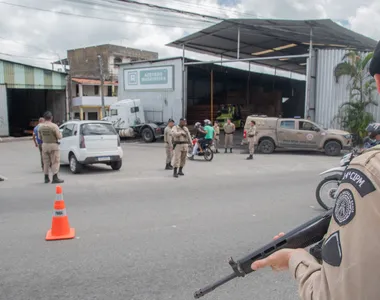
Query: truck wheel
[
  {"x": 116, "y": 165},
  {"x": 333, "y": 148},
  {"x": 266, "y": 147},
  {"x": 147, "y": 135}
]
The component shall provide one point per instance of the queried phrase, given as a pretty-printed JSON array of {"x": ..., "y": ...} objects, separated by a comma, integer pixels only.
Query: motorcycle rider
[
  {"x": 373, "y": 138},
  {"x": 199, "y": 133},
  {"x": 210, "y": 132}
]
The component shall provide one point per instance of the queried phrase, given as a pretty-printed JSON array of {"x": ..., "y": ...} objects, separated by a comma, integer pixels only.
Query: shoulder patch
[
  {"x": 345, "y": 208},
  {"x": 359, "y": 180},
  {"x": 332, "y": 250}
]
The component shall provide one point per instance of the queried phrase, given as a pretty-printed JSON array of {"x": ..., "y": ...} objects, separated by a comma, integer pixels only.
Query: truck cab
[
  {"x": 297, "y": 134},
  {"x": 128, "y": 118}
]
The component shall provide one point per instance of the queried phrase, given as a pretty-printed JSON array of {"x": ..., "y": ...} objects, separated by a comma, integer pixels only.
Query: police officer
[
  {"x": 50, "y": 134},
  {"x": 350, "y": 252},
  {"x": 181, "y": 140},
  {"x": 229, "y": 129},
  {"x": 251, "y": 136},
  {"x": 217, "y": 134},
  {"x": 168, "y": 139}
]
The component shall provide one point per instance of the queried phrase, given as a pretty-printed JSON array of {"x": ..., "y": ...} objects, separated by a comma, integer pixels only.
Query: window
[
  {"x": 304, "y": 125},
  {"x": 77, "y": 116},
  {"x": 109, "y": 91},
  {"x": 135, "y": 109},
  {"x": 92, "y": 115},
  {"x": 77, "y": 89},
  {"x": 287, "y": 124},
  {"x": 75, "y": 130},
  {"x": 113, "y": 112},
  {"x": 97, "y": 129},
  {"x": 96, "y": 90},
  {"x": 117, "y": 60},
  {"x": 68, "y": 130}
]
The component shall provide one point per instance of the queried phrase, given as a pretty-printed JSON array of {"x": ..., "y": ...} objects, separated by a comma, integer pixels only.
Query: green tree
[{"x": 353, "y": 115}]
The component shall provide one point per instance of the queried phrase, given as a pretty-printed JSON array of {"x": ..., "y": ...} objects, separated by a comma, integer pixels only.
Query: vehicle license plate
[{"x": 103, "y": 158}]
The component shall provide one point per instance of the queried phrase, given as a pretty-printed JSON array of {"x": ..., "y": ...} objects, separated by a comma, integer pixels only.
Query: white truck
[{"x": 128, "y": 118}]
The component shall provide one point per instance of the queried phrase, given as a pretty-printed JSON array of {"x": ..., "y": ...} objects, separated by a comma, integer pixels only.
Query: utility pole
[{"x": 102, "y": 85}]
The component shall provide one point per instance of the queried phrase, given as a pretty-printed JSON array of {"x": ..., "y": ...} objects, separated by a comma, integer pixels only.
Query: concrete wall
[
  {"x": 56, "y": 102},
  {"x": 84, "y": 61},
  {"x": 155, "y": 101},
  {"x": 4, "y": 128}
]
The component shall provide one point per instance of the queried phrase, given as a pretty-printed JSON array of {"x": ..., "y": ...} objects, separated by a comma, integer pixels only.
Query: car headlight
[{"x": 347, "y": 136}]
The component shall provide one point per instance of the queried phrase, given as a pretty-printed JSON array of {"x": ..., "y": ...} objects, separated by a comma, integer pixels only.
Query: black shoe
[
  {"x": 216, "y": 151},
  {"x": 175, "y": 174},
  {"x": 250, "y": 157},
  {"x": 47, "y": 179},
  {"x": 168, "y": 167},
  {"x": 230, "y": 150},
  {"x": 56, "y": 179},
  {"x": 180, "y": 172},
  {"x": 225, "y": 150}
]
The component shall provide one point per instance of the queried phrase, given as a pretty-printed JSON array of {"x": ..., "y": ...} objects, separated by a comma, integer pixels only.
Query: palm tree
[{"x": 353, "y": 115}]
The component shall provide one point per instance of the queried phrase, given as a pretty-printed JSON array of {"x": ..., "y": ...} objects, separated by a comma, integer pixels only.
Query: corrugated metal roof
[
  {"x": 331, "y": 95},
  {"x": 19, "y": 76},
  {"x": 85, "y": 81},
  {"x": 273, "y": 37}
]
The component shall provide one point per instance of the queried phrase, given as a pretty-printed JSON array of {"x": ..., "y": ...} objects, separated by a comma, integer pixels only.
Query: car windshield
[{"x": 97, "y": 129}]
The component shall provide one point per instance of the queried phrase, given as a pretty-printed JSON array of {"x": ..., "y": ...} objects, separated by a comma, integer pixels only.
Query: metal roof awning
[
  {"x": 85, "y": 81},
  {"x": 246, "y": 39}
]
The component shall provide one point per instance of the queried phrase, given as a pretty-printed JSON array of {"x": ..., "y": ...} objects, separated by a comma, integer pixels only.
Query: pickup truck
[{"x": 296, "y": 134}]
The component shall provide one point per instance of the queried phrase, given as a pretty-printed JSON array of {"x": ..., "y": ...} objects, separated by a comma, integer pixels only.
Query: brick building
[{"x": 84, "y": 61}]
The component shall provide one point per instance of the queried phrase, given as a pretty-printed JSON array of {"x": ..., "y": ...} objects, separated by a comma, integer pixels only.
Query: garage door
[{"x": 4, "y": 129}]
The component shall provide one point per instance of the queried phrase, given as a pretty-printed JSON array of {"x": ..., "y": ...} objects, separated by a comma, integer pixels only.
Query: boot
[
  {"x": 168, "y": 167},
  {"x": 225, "y": 150},
  {"x": 216, "y": 151},
  {"x": 56, "y": 179},
  {"x": 175, "y": 174},
  {"x": 47, "y": 179},
  {"x": 180, "y": 172},
  {"x": 250, "y": 157},
  {"x": 230, "y": 150}
]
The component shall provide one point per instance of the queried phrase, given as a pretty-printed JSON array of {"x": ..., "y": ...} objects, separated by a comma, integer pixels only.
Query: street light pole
[{"x": 102, "y": 85}]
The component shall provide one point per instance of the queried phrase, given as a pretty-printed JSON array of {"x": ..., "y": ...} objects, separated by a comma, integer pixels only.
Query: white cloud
[{"x": 34, "y": 33}]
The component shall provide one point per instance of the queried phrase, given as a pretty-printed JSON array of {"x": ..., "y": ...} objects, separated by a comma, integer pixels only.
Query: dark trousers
[{"x": 42, "y": 161}]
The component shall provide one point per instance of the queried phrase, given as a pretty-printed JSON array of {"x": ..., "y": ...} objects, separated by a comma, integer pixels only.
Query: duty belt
[
  {"x": 229, "y": 133},
  {"x": 176, "y": 143}
]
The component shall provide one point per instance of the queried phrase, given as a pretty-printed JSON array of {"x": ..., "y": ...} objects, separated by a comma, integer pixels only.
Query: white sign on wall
[{"x": 157, "y": 78}]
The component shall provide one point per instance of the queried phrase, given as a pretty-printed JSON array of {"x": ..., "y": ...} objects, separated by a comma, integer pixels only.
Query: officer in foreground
[
  {"x": 350, "y": 268},
  {"x": 50, "y": 136},
  {"x": 181, "y": 140},
  {"x": 168, "y": 139}
]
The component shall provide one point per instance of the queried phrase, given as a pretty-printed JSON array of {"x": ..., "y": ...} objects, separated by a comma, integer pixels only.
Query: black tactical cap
[
  {"x": 171, "y": 120},
  {"x": 182, "y": 119}
]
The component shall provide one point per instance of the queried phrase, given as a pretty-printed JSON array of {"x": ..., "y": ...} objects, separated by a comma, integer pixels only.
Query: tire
[
  {"x": 329, "y": 201},
  {"x": 75, "y": 166},
  {"x": 333, "y": 148},
  {"x": 208, "y": 154},
  {"x": 147, "y": 135},
  {"x": 116, "y": 165},
  {"x": 190, "y": 151},
  {"x": 266, "y": 147}
]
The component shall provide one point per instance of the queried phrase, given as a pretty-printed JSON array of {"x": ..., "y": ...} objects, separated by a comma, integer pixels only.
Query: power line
[
  {"x": 29, "y": 57},
  {"x": 98, "y": 18}
]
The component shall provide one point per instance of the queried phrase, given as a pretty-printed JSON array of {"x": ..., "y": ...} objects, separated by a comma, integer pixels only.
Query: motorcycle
[
  {"x": 207, "y": 153},
  {"x": 327, "y": 188}
]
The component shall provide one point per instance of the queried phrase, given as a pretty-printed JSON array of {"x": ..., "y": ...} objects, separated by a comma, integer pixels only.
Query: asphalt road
[{"x": 144, "y": 235}]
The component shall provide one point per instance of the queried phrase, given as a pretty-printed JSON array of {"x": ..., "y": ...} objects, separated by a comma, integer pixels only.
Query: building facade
[
  {"x": 26, "y": 92},
  {"x": 84, "y": 62}
]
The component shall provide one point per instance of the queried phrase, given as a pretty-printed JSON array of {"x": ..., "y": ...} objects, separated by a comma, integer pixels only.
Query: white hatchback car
[{"x": 89, "y": 142}]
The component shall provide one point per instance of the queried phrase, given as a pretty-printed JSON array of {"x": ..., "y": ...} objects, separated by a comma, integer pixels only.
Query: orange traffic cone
[{"x": 60, "y": 228}]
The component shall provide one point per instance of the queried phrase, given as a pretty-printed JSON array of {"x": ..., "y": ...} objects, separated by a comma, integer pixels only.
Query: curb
[{"x": 14, "y": 139}]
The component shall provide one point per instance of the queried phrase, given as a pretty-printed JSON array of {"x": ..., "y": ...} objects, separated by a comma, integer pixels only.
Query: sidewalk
[{"x": 14, "y": 139}]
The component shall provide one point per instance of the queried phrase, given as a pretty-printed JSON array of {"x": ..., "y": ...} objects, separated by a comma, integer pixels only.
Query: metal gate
[{"x": 4, "y": 127}]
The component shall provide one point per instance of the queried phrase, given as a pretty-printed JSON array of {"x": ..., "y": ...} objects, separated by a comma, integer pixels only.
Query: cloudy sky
[{"x": 40, "y": 31}]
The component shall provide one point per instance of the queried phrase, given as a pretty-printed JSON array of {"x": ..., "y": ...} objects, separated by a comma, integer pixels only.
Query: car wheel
[
  {"x": 75, "y": 166},
  {"x": 116, "y": 165},
  {"x": 147, "y": 135},
  {"x": 333, "y": 148},
  {"x": 266, "y": 147}
]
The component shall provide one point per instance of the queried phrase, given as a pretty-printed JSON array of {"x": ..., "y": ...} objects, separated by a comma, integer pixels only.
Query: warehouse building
[{"x": 26, "y": 92}]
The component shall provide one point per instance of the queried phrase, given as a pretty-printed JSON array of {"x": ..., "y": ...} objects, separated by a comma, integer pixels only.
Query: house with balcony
[{"x": 86, "y": 103}]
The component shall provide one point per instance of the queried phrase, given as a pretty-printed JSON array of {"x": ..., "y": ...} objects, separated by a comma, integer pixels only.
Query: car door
[
  {"x": 309, "y": 134},
  {"x": 66, "y": 142},
  {"x": 287, "y": 134}
]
